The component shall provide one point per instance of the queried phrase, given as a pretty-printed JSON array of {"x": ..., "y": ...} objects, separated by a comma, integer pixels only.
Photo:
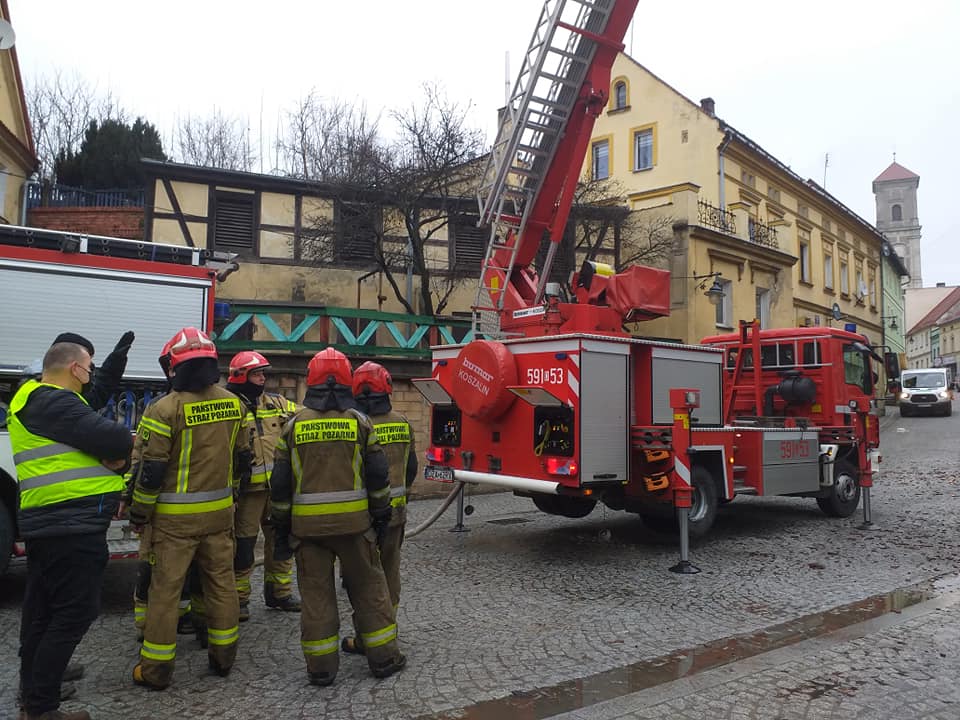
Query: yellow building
[
  {"x": 18, "y": 159},
  {"x": 786, "y": 250}
]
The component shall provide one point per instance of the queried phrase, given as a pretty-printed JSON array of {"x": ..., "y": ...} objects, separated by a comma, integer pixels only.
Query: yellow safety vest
[{"x": 50, "y": 472}]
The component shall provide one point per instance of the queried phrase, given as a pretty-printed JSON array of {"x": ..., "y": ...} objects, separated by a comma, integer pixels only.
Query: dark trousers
[{"x": 62, "y": 599}]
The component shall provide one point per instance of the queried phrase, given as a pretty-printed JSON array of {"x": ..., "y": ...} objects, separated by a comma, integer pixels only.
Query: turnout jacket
[
  {"x": 192, "y": 452},
  {"x": 58, "y": 442},
  {"x": 263, "y": 422},
  {"x": 330, "y": 474},
  {"x": 395, "y": 435}
]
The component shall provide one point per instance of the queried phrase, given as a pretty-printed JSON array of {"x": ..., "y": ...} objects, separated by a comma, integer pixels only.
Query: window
[
  {"x": 827, "y": 225},
  {"x": 468, "y": 244},
  {"x": 856, "y": 369},
  {"x": 861, "y": 288},
  {"x": 828, "y": 271},
  {"x": 804, "y": 262},
  {"x": 725, "y": 306},
  {"x": 763, "y": 307},
  {"x": 803, "y": 211},
  {"x": 844, "y": 277},
  {"x": 812, "y": 353},
  {"x": 896, "y": 213},
  {"x": 873, "y": 287},
  {"x": 358, "y": 226},
  {"x": 233, "y": 221},
  {"x": 601, "y": 160},
  {"x": 748, "y": 179},
  {"x": 643, "y": 149},
  {"x": 773, "y": 194},
  {"x": 620, "y": 95}
]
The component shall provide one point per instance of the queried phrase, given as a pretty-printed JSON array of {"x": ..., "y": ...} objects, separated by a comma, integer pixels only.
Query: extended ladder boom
[{"x": 532, "y": 170}]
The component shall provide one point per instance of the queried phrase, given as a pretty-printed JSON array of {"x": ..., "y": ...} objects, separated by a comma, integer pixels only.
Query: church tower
[{"x": 897, "y": 217}]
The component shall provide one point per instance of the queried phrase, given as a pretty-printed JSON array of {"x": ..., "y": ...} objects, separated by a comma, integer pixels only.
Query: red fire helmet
[
  {"x": 326, "y": 364},
  {"x": 191, "y": 344},
  {"x": 372, "y": 377},
  {"x": 244, "y": 362}
]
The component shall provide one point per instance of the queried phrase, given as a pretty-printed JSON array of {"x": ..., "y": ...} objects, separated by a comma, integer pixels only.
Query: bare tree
[
  {"x": 217, "y": 141},
  {"x": 61, "y": 108},
  {"x": 412, "y": 187},
  {"x": 329, "y": 141},
  {"x": 603, "y": 224}
]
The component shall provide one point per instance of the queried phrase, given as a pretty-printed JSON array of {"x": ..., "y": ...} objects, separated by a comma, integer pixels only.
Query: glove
[
  {"x": 123, "y": 345},
  {"x": 381, "y": 521},
  {"x": 281, "y": 544}
]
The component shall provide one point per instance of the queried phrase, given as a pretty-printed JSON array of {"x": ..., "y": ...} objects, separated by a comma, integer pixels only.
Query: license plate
[{"x": 439, "y": 474}]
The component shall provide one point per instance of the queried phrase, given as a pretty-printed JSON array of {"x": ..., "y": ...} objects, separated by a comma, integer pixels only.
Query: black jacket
[{"x": 63, "y": 417}]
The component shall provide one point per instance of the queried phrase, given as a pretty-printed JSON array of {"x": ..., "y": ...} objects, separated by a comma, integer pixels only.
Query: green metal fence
[{"x": 273, "y": 327}]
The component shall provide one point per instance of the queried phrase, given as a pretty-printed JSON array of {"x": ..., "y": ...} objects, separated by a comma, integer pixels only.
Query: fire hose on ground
[{"x": 447, "y": 501}]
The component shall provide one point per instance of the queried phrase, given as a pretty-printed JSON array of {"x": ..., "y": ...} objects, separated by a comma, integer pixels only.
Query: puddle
[{"x": 571, "y": 695}]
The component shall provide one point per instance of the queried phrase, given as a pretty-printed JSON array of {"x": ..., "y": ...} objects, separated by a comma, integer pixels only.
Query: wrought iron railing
[
  {"x": 44, "y": 195},
  {"x": 273, "y": 327},
  {"x": 713, "y": 217},
  {"x": 762, "y": 234}
]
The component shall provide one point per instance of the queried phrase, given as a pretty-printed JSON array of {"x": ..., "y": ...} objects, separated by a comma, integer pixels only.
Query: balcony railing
[
  {"x": 44, "y": 195},
  {"x": 762, "y": 234},
  {"x": 310, "y": 328},
  {"x": 713, "y": 217}
]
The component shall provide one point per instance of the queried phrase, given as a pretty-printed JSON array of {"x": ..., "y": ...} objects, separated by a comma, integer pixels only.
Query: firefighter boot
[
  {"x": 352, "y": 645},
  {"x": 385, "y": 670},
  {"x": 244, "y": 612},
  {"x": 287, "y": 603},
  {"x": 200, "y": 629},
  {"x": 321, "y": 679}
]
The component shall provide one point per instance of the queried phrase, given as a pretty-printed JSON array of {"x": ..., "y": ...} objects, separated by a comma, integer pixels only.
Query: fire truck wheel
[
  {"x": 6, "y": 537},
  {"x": 844, "y": 496},
  {"x": 703, "y": 508},
  {"x": 570, "y": 507}
]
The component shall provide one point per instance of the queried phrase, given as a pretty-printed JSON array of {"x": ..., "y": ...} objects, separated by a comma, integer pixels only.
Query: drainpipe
[
  {"x": 23, "y": 200},
  {"x": 727, "y": 137},
  {"x": 360, "y": 280}
]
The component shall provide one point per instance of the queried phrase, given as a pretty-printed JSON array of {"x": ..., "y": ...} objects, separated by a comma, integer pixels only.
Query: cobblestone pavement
[{"x": 527, "y": 601}]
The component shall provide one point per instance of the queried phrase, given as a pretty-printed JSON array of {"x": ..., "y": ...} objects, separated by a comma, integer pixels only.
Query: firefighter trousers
[
  {"x": 142, "y": 587},
  {"x": 173, "y": 555},
  {"x": 369, "y": 596},
  {"x": 390, "y": 561},
  {"x": 253, "y": 510}
]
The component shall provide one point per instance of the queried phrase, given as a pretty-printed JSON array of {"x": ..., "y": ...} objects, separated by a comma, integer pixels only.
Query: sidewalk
[{"x": 899, "y": 665}]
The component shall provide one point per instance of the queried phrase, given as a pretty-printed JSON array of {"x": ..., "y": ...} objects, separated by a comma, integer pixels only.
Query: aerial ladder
[{"x": 531, "y": 174}]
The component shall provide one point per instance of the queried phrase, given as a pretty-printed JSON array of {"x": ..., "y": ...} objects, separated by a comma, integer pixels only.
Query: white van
[{"x": 925, "y": 389}]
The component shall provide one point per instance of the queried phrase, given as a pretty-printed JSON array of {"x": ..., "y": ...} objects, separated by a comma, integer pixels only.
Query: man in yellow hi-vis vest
[
  {"x": 265, "y": 415},
  {"x": 372, "y": 388},
  {"x": 68, "y": 458},
  {"x": 192, "y": 446},
  {"x": 329, "y": 493}
]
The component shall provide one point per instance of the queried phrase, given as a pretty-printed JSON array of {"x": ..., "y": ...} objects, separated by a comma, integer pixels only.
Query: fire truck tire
[
  {"x": 569, "y": 507},
  {"x": 6, "y": 537},
  {"x": 703, "y": 510},
  {"x": 844, "y": 495}
]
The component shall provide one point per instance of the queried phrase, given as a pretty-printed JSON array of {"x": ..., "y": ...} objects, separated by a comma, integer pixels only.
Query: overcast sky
[{"x": 858, "y": 79}]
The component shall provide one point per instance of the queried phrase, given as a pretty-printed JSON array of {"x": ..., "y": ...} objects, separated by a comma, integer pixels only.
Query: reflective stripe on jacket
[
  {"x": 265, "y": 426},
  {"x": 395, "y": 435},
  {"x": 326, "y": 451},
  {"x": 49, "y": 472}
]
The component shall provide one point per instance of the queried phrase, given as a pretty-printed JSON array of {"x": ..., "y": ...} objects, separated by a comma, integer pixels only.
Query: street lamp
[
  {"x": 892, "y": 319},
  {"x": 715, "y": 293}
]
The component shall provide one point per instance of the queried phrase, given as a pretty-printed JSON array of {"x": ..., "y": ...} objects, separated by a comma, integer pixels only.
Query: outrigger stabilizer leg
[
  {"x": 684, "y": 567},
  {"x": 866, "y": 483}
]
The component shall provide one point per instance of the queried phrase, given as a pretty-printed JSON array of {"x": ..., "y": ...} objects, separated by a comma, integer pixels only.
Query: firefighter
[
  {"x": 264, "y": 416},
  {"x": 330, "y": 498},
  {"x": 192, "y": 445},
  {"x": 372, "y": 388},
  {"x": 69, "y": 463},
  {"x": 185, "y": 624}
]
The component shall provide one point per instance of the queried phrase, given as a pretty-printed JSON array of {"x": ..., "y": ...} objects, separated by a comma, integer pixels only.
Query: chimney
[
  {"x": 943, "y": 284},
  {"x": 708, "y": 106}
]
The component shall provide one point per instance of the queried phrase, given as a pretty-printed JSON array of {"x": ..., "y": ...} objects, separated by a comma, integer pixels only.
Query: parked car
[{"x": 925, "y": 390}]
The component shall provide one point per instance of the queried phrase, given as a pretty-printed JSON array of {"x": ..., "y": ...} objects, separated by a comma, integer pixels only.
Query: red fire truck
[
  {"x": 99, "y": 287},
  {"x": 560, "y": 404}
]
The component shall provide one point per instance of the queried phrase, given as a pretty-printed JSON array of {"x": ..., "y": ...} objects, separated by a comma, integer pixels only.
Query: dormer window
[{"x": 620, "y": 95}]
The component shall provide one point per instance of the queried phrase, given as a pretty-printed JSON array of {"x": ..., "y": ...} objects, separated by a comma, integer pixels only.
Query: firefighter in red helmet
[
  {"x": 330, "y": 493},
  {"x": 193, "y": 451},
  {"x": 372, "y": 388},
  {"x": 264, "y": 417}
]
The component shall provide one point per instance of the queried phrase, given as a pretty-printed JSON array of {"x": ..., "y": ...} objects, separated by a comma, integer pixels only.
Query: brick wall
[{"x": 112, "y": 222}]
